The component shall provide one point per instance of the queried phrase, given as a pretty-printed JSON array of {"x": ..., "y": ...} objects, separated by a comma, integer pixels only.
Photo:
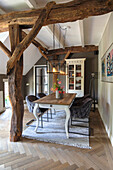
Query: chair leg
[
  {"x": 68, "y": 126},
  {"x": 80, "y": 126},
  {"x": 54, "y": 111},
  {"x": 28, "y": 123},
  {"x": 71, "y": 120},
  {"x": 47, "y": 116},
  {"x": 37, "y": 123},
  {"x": 79, "y": 121},
  {"x": 37, "y": 120},
  {"x": 41, "y": 121},
  {"x": 51, "y": 113}
]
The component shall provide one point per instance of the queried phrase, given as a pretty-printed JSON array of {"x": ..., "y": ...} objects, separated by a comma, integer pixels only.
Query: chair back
[
  {"x": 86, "y": 106},
  {"x": 40, "y": 95},
  {"x": 32, "y": 98},
  {"x": 83, "y": 109},
  {"x": 30, "y": 102}
]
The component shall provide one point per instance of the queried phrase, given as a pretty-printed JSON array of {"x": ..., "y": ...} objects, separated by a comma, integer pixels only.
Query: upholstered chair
[
  {"x": 81, "y": 110},
  {"x": 40, "y": 111},
  {"x": 40, "y": 95},
  {"x": 78, "y": 100}
]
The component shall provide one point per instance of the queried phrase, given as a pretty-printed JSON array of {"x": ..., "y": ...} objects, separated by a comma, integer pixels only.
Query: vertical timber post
[{"x": 15, "y": 80}]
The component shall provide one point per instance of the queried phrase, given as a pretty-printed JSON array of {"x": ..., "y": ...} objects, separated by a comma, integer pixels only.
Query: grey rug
[{"x": 54, "y": 132}]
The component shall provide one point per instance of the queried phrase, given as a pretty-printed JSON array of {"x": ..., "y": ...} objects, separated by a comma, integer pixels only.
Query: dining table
[{"x": 51, "y": 102}]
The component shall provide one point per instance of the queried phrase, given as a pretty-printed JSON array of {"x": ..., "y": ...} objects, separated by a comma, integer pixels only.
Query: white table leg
[
  {"x": 67, "y": 120},
  {"x": 36, "y": 116}
]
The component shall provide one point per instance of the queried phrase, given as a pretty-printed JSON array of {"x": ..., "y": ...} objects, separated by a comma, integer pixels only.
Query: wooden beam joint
[
  {"x": 29, "y": 38},
  {"x": 73, "y": 49},
  {"x": 60, "y": 13}
]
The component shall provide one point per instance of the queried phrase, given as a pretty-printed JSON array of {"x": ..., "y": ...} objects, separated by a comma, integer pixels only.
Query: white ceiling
[{"x": 79, "y": 33}]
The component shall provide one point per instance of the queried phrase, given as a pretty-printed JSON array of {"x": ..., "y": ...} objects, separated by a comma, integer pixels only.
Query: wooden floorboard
[{"x": 35, "y": 155}]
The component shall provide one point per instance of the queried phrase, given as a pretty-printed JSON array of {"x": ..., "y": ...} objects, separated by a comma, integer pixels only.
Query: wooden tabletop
[{"x": 51, "y": 99}]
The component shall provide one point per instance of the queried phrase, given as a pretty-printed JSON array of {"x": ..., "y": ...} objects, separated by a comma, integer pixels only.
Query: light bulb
[{"x": 54, "y": 69}]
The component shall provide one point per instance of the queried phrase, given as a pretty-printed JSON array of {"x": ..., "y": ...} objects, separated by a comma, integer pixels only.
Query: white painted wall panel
[{"x": 105, "y": 91}]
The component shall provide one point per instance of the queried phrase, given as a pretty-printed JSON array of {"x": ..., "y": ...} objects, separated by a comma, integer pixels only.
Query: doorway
[{"x": 6, "y": 94}]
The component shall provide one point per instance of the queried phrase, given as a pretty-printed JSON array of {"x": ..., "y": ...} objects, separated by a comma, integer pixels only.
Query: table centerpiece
[{"x": 58, "y": 89}]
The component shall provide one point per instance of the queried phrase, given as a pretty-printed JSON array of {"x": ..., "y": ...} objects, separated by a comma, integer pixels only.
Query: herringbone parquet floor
[{"x": 34, "y": 155}]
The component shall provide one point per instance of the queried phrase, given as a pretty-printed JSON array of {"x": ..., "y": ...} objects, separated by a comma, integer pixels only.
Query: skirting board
[{"x": 108, "y": 133}]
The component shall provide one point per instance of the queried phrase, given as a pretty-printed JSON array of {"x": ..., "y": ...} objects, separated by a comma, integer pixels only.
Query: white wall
[
  {"x": 31, "y": 56},
  {"x": 4, "y": 58},
  {"x": 105, "y": 89}
]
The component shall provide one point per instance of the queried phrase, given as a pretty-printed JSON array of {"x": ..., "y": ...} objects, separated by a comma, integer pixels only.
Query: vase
[
  {"x": 61, "y": 95},
  {"x": 57, "y": 94}
]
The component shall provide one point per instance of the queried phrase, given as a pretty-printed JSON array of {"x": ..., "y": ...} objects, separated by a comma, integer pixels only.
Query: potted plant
[{"x": 58, "y": 89}]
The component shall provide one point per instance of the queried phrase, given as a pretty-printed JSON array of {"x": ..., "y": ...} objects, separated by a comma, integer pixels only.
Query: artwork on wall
[
  {"x": 103, "y": 67},
  {"x": 107, "y": 65}
]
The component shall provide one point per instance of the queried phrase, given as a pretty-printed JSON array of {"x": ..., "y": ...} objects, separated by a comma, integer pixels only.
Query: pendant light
[{"x": 57, "y": 66}]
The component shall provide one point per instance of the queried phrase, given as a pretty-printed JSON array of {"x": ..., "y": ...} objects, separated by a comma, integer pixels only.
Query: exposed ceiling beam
[
  {"x": 20, "y": 48},
  {"x": 74, "y": 49},
  {"x": 81, "y": 26},
  {"x": 44, "y": 55},
  {"x": 38, "y": 41},
  {"x": 67, "y": 55},
  {"x": 33, "y": 4},
  {"x": 60, "y": 13}
]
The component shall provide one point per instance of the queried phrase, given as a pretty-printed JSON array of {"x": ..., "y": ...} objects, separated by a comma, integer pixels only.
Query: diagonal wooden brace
[
  {"x": 5, "y": 49},
  {"x": 29, "y": 38}
]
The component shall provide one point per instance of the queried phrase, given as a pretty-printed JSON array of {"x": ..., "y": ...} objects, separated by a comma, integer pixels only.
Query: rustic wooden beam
[
  {"x": 67, "y": 55},
  {"x": 5, "y": 49},
  {"x": 44, "y": 55},
  {"x": 15, "y": 80},
  {"x": 32, "y": 4},
  {"x": 36, "y": 43},
  {"x": 73, "y": 49},
  {"x": 29, "y": 38},
  {"x": 60, "y": 13}
]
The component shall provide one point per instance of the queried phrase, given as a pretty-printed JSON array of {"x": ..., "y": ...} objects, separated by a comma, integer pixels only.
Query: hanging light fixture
[
  {"x": 56, "y": 66},
  {"x": 54, "y": 69}
]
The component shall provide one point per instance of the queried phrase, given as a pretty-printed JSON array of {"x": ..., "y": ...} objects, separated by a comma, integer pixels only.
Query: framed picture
[{"x": 107, "y": 65}]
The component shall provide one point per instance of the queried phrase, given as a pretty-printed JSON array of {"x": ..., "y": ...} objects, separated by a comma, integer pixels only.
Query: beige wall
[{"x": 105, "y": 89}]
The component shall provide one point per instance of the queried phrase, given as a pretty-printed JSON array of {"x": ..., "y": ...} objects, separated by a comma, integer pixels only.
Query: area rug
[{"x": 54, "y": 132}]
